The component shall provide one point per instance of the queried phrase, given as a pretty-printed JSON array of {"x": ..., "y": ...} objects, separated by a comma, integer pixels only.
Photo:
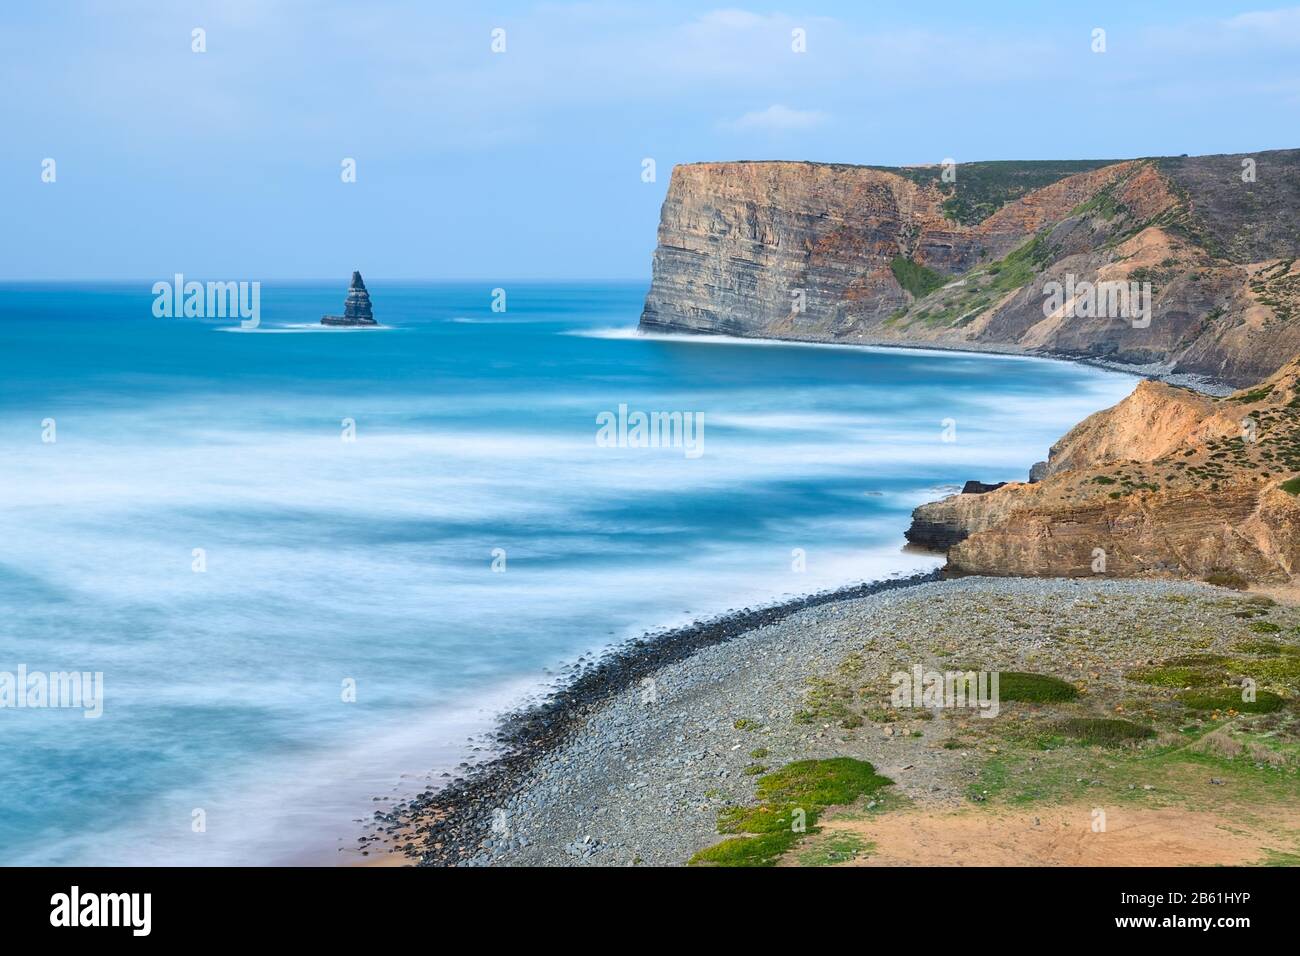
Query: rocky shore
[
  {"x": 448, "y": 826},
  {"x": 632, "y": 762},
  {"x": 633, "y": 756}
]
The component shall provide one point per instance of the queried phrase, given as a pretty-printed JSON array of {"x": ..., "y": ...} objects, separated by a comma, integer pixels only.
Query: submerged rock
[{"x": 356, "y": 307}]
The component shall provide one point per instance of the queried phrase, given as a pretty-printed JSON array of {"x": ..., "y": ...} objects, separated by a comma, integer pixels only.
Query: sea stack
[{"x": 356, "y": 307}]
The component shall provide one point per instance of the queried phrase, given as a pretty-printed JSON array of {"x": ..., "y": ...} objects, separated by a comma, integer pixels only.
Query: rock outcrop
[
  {"x": 824, "y": 252},
  {"x": 356, "y": 307},
  {"x": 1178, "y": 265},
  {"x": 1168, "y": 482}
]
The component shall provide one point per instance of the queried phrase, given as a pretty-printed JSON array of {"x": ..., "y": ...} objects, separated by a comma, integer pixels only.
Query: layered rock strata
[
  {"x": 823, "y": 252},
  {"x": 356, "y": 307},
  {"x": 1168, "y": 482}
]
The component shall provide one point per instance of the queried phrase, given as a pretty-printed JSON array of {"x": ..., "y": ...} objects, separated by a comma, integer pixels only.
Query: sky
[{"x": 228, "y": 164}]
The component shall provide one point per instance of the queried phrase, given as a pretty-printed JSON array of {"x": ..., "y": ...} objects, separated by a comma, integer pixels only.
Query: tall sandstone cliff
[
  {"x": 824, "y": 252},
  {"x": 1169, "y": 481}
]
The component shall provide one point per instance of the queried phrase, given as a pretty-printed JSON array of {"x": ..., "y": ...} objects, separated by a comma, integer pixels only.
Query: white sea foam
[
  {"x": 371, "y": 559},
  {"x": 302, "y": 327},
  {"x": 919, "y": 350}
]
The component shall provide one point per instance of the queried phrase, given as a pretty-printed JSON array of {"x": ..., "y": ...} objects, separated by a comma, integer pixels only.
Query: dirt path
[{"x": 1063, "y": 836}]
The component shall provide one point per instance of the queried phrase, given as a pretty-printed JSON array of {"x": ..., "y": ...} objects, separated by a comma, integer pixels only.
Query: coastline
[
  {"x": 452, "y": 822},
  {"x": 620, "y": 777},
  {"x": 464, "y": 822},
  {"x": 449, "y": 826},
  {"x": 1158, "y": 371}
]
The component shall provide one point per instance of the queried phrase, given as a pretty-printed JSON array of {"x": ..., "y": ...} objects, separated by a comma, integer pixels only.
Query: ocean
[{"x": 311, "y": 564}]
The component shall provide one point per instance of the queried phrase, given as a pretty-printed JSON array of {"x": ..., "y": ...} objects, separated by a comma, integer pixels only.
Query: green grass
[
  {"x": 762, "y": 850},
  {"x": 1180, "y": 773},
  {"x": 1280, "y": 858},
  {"x": 1261, "y": 647},
  {"x": 1103, "y": 204},
  {"x": 1034, "y": 688},
  {"x": 1292, "y": 485},
  {"x": 1264, "y": 627},
  {"x": 989, "y": 284},
  {"x": 916, "y": 278},
  {"x": 1173, "y": 675},
  {"x": 1258, "y": 395},
  {"x": 1279, "y": 667},
  {"x": 835, "y": 848},
  {"x": 821, "y": 783},
  {"x": 1019, "y": 266},
  {"x": 809, "y": 786},
  {"x": 1230, "y": 699},
  {"x": 982, "y": 188},
  {"x": 1198, "y": 660},
  {"x": 1284, "y": 670},
  {"x": 1104, "y": 731}
]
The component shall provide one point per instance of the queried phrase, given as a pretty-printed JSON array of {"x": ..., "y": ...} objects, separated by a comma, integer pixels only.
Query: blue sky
[{"x": 527, "y": 164}]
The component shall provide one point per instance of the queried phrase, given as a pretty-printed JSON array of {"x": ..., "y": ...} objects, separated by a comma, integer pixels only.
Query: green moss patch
[
  {"x": 1260, "y": 647},
  {"x": 1034, "y": 688},
  {"x": 1172, "y": 675},
  {"x": 1228, "y": 579},
  {"x": 1104, "y": 731},
  {"x": 1283, "y": 670},
  {"x": 795, "y": 794},
  {"x": 762, "y": 850},
  {"x": 1265, "y": 702},
  {"x": 1197, "y": 660}
]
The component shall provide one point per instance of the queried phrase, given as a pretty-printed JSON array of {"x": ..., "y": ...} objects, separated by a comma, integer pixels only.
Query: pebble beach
[{"x": 632, "y": 761}]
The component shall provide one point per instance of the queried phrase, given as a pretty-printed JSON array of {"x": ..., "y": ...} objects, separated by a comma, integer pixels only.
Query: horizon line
[{"x": 290, "y": 279}]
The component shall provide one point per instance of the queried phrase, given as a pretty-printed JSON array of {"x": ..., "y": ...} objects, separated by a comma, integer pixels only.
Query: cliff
[
  {"x": 824, "y": 252},
  {"x": 1168, "y": 482}
]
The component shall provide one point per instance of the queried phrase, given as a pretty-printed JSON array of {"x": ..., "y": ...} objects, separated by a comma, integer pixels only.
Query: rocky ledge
[{"x": 1168, "y": 482}]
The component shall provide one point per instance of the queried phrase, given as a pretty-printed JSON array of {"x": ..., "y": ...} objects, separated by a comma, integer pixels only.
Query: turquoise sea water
[{"x": 371, "y": 561}]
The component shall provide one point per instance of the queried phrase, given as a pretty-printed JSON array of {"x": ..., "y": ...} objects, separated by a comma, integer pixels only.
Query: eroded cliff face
[
  {"x": 859, "y": 254},
  {"x": 1167, "y": 482},
  {"x": 739, "y": 241}
]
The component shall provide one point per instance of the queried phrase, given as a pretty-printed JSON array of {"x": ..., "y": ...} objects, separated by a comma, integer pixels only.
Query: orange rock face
[
  {"x": 1167, "y": 482},
  {"x": 807, "y": 251}
]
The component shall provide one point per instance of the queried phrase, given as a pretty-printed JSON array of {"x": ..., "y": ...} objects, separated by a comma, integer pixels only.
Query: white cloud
[
  {"x": 776, "y": 119},
  {"x": 1274, "y": 25}
]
